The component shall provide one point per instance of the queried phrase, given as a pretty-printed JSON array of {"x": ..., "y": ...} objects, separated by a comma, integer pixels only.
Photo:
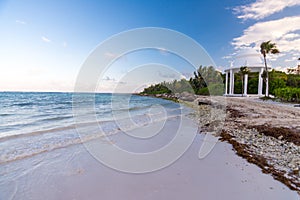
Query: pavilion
[{"x": 254, "y": 61}]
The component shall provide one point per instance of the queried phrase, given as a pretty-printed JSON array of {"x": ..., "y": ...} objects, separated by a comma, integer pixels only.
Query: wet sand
[{"x": 72, "y": 173}]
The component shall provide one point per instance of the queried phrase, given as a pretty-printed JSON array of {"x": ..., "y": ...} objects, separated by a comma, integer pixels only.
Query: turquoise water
[{"x": 35, "y": 122}]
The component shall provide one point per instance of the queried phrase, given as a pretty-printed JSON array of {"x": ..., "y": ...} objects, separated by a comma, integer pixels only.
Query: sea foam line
[{"x": 28, "y": 151}]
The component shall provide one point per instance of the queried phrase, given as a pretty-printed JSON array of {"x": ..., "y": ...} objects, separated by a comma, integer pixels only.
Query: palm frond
[{"x": 274, "y": 51}]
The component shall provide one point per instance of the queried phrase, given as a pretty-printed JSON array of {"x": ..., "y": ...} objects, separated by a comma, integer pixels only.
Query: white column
[
  {"x": 230, "y": 82},
  {"x": 226, "y": 83},
  {"x": 245, "y": 84},
  {"x": 260, "y": 81}
]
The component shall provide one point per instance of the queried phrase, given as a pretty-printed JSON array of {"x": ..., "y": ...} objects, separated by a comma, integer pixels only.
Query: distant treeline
[{"x": 208, "y": 81}]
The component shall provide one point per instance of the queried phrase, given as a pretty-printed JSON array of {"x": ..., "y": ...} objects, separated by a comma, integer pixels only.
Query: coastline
[
  {"x": 72, "y": 172},
  {"x": 267, "y": 135},
  {"x": 262, "y": 132}
]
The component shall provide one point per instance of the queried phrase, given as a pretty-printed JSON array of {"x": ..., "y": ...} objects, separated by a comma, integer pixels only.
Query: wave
[
  {"x": 58, "y": 118},
  {"x": 41, "y": 141},
  {"x": 23, "y": 104},
  {"x": 52, "y": 125},
  {"x": 60, "y": 104},
  {"x": 172, "y": 112},
  {"x": 79, "y": 125},
  {"x": 5, "y": 114},
  {"x": 144, "y": 107}
]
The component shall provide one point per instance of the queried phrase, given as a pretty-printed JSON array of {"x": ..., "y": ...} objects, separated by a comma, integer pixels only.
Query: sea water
[{"x": 36, "y": 122}]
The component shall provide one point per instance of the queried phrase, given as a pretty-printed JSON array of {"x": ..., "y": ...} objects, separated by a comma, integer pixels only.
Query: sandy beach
[
  {"x": 268, "y": 131},
  {"x": 150, "y": 100},
  {"x": 259, "y": 112},
  {"x": 73, "y": 173}
]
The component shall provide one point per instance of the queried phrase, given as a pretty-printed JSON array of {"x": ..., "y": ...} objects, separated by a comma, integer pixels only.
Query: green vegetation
[
  {"x": 178, "y": 86},
  {"x": 288, "y": 94},
  {"x": 157, "y": 89},
  {"x": 243, "y": 71},
  {"x": 293, "y": 80},
  {"x": 208, "y": 81},
  {"x": 252, "y": 83},
  {"x": 285, "y": 86},
  {"x": 277, "y": 79}
]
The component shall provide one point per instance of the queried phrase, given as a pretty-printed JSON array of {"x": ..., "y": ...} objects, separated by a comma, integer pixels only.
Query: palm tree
[
  {"x": 243, "y": 71},
  {"x": 266, "y": 48}
]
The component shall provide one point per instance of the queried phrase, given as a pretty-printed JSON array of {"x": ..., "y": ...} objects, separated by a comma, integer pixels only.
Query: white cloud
[
  {"x": 291, "y": 36},
  {"x": 187, "y": 74},
  {"x": 292, "y": 59},
  {"x": 107, "y": 78},
  {"x": 163, "y": 51},
  {"x": 227, "y": 57},
  {"x": 167, "y": 75},
  {"x": 110, "y": 55},
  {"x": 45, "y": 39},
  {"x": 263, "y": 8},
  {"x": 20, "y": 22},
  {"x": 283, "y": 69},
  {"x": 288, "y": 60},
  {"x": 282, "y": 31},
  {"x": 113, "y": 56}
]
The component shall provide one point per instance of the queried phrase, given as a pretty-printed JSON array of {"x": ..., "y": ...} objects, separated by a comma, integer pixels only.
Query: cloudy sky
[
  {"x": 45, "y": 43},
  {"x": 275, "y": 20}
]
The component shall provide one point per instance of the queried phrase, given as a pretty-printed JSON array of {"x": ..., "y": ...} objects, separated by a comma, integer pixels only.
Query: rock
[
  {"x": 203, "y": 101},
  {"x": 185, "y": 96}
]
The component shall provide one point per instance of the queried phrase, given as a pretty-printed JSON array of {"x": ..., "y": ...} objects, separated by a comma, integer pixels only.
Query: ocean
[
  {"x": 42, "y": 155},
  {"x": 35, "y": 122}
]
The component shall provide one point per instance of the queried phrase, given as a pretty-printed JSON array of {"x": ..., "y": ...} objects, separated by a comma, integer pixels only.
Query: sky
[{"x": 44, "y": 44}]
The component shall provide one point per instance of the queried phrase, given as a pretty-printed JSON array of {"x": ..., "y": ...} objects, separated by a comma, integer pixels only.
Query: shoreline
[
  {"x": 258, "y": 138},
  {"x": 73, "y": 173},
  {"x": 263, "y": 140},
  {"x": 273, "y": 147}
]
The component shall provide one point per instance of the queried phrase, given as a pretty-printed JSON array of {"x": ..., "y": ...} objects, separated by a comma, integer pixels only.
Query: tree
[
  {"x": 266, "y": 48},
  {"x": 243, "y": 71},
  {"x": 277, "y": 79}
]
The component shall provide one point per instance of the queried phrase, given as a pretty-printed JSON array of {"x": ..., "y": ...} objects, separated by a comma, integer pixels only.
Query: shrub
[
  {"x": 288, "y": 94},
  {"x": 203, "y": 91},
  {"x": 216, "y": 89}
]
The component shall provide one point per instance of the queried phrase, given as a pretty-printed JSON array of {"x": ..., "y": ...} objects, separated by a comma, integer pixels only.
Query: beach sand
[
  {"x": 73, "y": 173},
  {"x": 259, "y": 112}
]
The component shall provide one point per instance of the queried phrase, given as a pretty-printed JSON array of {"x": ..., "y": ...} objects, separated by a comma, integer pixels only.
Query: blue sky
[{"x": 44, "y": 43}]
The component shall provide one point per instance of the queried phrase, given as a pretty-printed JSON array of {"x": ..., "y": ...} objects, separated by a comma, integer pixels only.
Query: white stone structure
[{"x": 254, "y": 61}]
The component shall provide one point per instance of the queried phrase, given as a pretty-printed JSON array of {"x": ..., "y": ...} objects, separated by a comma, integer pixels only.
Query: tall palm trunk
[{"x": 267, "y": 77}]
